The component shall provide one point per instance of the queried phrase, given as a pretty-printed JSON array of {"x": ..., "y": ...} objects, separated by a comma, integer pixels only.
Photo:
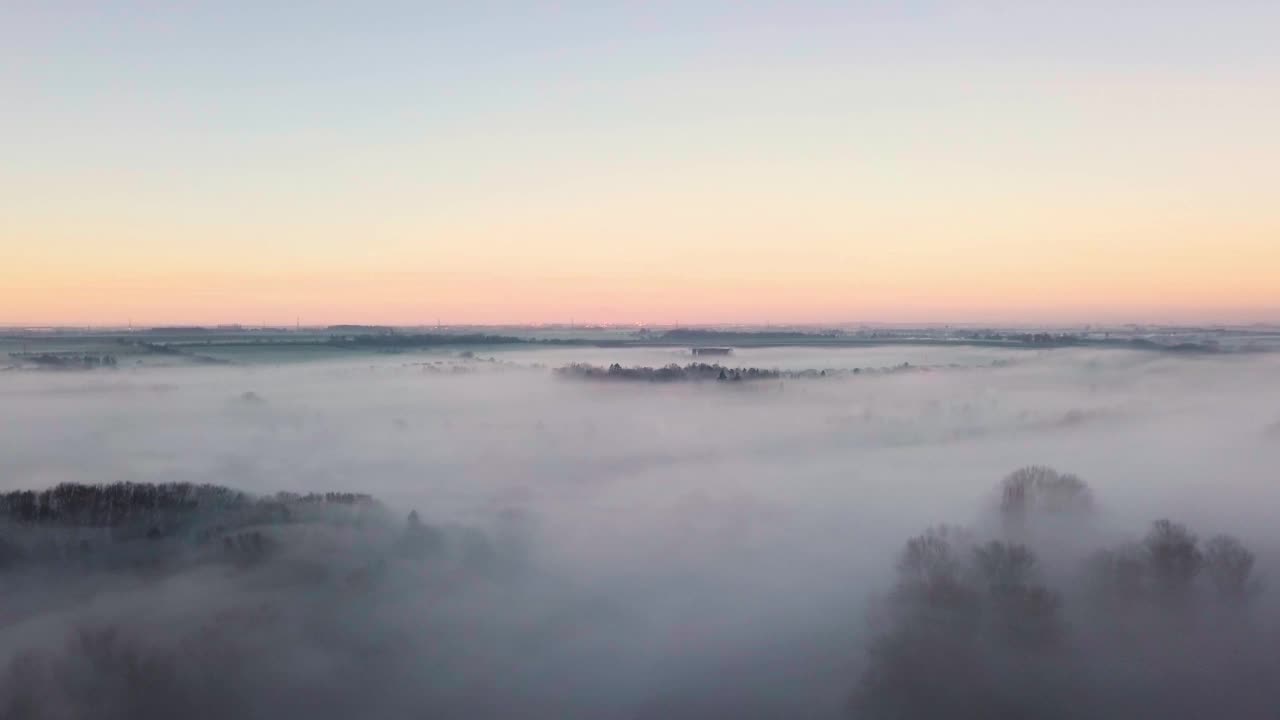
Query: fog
[{"x": 649, "y": 550}]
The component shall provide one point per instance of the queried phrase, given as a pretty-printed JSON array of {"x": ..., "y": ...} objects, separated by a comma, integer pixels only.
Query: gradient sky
[{"x": 641, "y": 162}]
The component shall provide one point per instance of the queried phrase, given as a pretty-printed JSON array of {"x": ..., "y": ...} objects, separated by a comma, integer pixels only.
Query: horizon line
[{"x": 931, "y": 324}]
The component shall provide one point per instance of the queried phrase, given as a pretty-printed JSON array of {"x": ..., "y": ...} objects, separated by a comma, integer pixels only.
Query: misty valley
[
  {"x": 639, "y": 360},
  {"x": 577, "y": 530}
]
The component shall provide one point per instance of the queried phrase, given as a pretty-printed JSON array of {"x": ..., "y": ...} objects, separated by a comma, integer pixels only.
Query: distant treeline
[
  {"x": 417, "y": 340},
  {"x": 707, "y": 372},
  {"x": 389, "y": 340},
  {"x": 299, "y": 597},
  {"x": 912, "y": 337},
  {"x": 163, "y": 507},
  {"x": 143, "y": 524},
  {"x": 161, "y": 348},
  {"x": 67, "y": 361},
  {"x": 670, "y": 373},
  {"x": 757, "y": 337},
  {"x": 701, "y": 335},
  {"x": 1045, "y": 339},
  {"x": 169, "y": 527}
]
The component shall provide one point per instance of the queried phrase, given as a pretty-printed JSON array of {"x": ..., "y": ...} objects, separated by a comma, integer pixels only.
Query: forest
[
  {"x": 1024, "y": 623},
  {"x": 1022, "y": 620}
]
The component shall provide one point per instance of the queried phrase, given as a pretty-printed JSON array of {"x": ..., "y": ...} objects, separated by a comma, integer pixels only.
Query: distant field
[{"x": 196, "y": 347}]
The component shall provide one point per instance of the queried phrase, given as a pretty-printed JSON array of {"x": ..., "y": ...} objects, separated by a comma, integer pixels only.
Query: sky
[{"x": 658, "y": 162}]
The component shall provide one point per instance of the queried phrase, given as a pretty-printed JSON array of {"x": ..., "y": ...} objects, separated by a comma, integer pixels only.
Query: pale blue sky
[{"x": 521, "y": 137}]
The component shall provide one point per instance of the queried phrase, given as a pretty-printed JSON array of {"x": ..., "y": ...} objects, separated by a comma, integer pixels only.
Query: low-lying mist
[{"x": 669, "y": 550}]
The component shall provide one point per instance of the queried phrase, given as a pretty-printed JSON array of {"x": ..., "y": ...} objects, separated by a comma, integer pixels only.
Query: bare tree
[
  {"x": 1023, "y": 611},
  {"x": 1173, "y": 558},
  {"x": 1036, "y": 489},
  {"x": 1230, "y": 567},
  {"x": 966, "y": 626},
  {"x": 1119, "y": 575}
]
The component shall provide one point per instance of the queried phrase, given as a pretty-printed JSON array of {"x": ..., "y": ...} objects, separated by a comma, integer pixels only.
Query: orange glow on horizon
[{"x": 898, "y": 164}]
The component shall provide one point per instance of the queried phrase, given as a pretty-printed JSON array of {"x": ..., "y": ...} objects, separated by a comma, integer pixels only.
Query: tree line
[
  {"x": 694, "y": 372},
  {"x": 1167, "y": 625}
]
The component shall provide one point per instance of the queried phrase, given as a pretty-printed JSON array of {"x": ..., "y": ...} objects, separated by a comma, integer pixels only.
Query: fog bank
[{"x": 690, "y": 550}]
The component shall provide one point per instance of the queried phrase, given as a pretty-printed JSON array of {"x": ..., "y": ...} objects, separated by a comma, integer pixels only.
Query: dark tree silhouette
[
  {"x": 1230, "y": 567},
  {"x": 1174, "y": 559},
  {"x": 964, "y": 633},
  {"x": 1118, "y": 576},
  {"x": 1021, "y": 609},
  {"x": 1037, "y": 487}
]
